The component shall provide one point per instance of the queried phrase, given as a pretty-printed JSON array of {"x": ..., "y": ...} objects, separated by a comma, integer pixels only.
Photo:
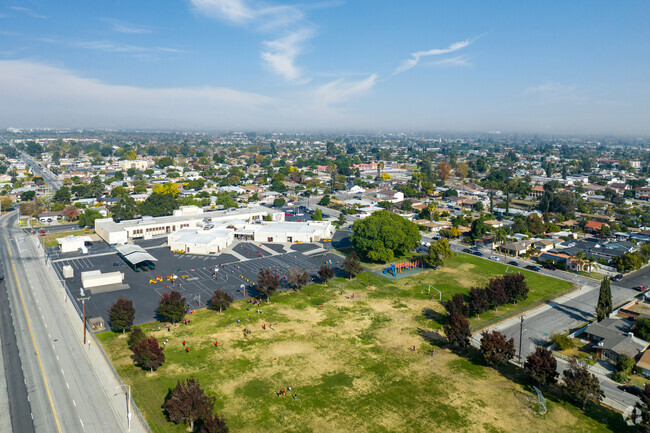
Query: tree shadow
[{"x": 437, "y": 317}]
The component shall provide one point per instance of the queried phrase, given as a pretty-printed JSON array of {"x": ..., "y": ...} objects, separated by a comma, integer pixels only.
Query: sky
[{"x": 556, "y": 67}]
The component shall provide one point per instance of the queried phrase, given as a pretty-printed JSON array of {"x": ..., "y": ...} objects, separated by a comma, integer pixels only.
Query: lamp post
[
  {"x": 83, "y": 298},
  {"x": 243, "y": 287},
  {"x": 521, "y": 337},
  {"x": 128, "y": 403}
]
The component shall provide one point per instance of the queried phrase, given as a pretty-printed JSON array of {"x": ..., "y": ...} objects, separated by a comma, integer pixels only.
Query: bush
[
  {"x": 620, "y": 377},
  {"x": 562, "y": 341},
  {"x": 135, "y": 337}
]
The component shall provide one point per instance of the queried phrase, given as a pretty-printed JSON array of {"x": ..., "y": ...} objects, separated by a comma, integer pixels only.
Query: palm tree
[
  {"x": 590, "y": 261},
  {"x": 501, "y": 236},
  {"x": 431, "y": 206},
  {"x": 580, "y": 255},
  {"x": 380, "y": 167}
]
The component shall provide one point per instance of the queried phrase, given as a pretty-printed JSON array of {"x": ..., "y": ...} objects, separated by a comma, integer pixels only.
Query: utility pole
[
  {"x": 128, "y": 403},
  {"x": 521, "y": 336},
  {"x": 83, "y": 298}
]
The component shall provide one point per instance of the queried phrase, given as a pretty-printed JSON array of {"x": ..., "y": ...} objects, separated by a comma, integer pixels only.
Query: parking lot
[{"x": 195, "y": 276}]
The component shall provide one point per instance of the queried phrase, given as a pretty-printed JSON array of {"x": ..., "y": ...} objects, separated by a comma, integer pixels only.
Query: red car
[{"x": 641, "y": 288}]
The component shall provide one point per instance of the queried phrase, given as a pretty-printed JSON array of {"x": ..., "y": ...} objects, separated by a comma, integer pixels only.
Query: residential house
[
  {"x": 515, "y": 249},
  {"x": 594, "y": 226},
  {"x": 612, "y": 338}
]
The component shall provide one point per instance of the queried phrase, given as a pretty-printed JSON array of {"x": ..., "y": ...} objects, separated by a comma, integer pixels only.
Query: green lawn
[
  {"x": 349, "y": 361},
  {"x": 49, "y": 240}
]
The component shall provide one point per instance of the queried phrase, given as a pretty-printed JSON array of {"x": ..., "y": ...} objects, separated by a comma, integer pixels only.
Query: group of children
[{"x": 283, "y": 392}]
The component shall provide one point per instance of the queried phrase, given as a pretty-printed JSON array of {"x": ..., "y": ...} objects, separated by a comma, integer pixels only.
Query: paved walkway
[{"x": 5, "y": 419}]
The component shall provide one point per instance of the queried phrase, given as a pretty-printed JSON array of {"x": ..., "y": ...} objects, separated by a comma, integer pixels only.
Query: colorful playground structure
[{"x": 404, "y": 266}]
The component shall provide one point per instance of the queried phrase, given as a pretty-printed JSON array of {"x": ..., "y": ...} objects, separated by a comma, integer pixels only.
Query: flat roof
[{"x": 236, "y": 215}]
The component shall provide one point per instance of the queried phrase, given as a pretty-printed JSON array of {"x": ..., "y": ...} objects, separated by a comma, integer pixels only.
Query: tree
[
  {"x": 515, "y": 287},
  {"x": 317, "y": 215},
  {"x": 125, "y": 209},
  {"x": 62, "y": 195},
  {"x": 267, "y": 282},
  {"x": 325, "y": 273},
  {"x": 279, "y": 202},
  {"x": 213, "y": 424},
  {"x": 352, "y": 265},
  {"x": 496, "y": 293},
  {"x": 604, "y": 307},
  {"x": 187, "y": 403},
  {"x": 165, "y": 161},
  {"x": 461, "y": 170},
  {"x": 27, "y": 195},
  {"x": 71, "y": 212},
  {"x": 325, "y": 201},
  {"x": 456, "y": 305},
  {"x": 535, "y": 224},
  {"x": 439, "y": 251},
  {"x": 581, "y": 384},
  {"x": 121, "y": 315},
  {"x": 642, "y": 409},
  {"x": 96, "y": 187},
  {"x": 87, "y": 219},
  {"x": 297, "y": 278},
  {"x": 148, "y": 354},
  {"x": 383, "y": 235},
  {"x": 477, "y": 300},
  {"x": 158, "y": 204},
  {"x": 444, "y": 170},
  {"x": 541, "y": 366},
  {"x": 562, "y": 341},
  {"x": 496, "y": 349},
  {"x": 478, "y": 229},
  {"x": 130, "y": 155},
  {"x": 220, "y": 300},
  {"x": 642, "y": 328},
  {"x": 457, "y": 331},
  {"x": 135, "y": 336},
  {"x": 171, "y": 306}
]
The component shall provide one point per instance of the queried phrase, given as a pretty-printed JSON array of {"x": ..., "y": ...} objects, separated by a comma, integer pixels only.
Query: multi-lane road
[{"x": 53, "y": 382}]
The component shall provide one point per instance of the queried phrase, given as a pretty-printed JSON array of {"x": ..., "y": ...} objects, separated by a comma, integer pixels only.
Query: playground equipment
[{"x": 403, "y": 266}]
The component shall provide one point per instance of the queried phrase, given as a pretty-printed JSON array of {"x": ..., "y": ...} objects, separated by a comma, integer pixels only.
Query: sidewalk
[{"x": 102, "y": 370}]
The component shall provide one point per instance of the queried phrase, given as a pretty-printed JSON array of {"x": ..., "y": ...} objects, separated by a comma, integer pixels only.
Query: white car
[{"x": 495, "y": 258}]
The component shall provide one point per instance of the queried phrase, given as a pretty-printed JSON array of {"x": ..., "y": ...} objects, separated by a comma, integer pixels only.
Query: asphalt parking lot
[{"x": 197, "y": 276}]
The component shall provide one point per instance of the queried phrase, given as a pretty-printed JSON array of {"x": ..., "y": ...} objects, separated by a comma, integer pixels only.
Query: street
[{"x": 65, "y": 390}]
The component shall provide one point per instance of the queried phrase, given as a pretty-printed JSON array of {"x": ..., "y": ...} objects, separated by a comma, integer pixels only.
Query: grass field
[
  {"x": 351, "y": 363},
  {"x": 49, "y": 240}
]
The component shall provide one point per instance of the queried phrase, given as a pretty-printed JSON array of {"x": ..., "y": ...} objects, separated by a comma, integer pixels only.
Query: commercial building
[{"x": 186, "y": 217}]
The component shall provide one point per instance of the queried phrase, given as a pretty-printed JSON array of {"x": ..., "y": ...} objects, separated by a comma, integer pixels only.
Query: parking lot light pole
[
  {"x": 83, "y": 298},
  {"x": 521, "y": 337},
  {"x": 128, "y": 403}
]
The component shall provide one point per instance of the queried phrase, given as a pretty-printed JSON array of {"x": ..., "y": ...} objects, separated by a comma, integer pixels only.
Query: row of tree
[{"x": 508, "y": 288}]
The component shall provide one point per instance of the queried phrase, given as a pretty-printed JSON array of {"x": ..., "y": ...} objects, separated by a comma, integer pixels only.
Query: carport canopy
[{"x": 135, "y": 254}]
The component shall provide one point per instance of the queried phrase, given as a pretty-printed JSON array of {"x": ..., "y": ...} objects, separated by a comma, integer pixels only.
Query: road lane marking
[
  {"x": 82, "y": 424},
  {"x": 31, "y": 333},
  {"x": 75, "y": 404},
  {"x": 66, "y": 384}
]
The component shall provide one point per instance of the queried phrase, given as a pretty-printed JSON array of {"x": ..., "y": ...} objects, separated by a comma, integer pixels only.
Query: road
[
  {"x": 65, "y": 393},
  {"x": 48, "y": 176}
]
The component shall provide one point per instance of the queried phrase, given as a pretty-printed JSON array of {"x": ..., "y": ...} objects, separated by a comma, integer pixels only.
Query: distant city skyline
[{"x": 551, "y": 67}]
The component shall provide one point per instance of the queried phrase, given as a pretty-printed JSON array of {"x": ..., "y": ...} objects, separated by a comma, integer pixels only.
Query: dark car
[
  {"x": 549, "y": 267},
  {"x": 478, "y": 253},
  {"x": 533, "y": 268},
  {"x": 513, "y": 263},
  {"x": 617, "y": 277},
  {"x": 467, "y": 251},
  {"x": 631, "y": 390}
]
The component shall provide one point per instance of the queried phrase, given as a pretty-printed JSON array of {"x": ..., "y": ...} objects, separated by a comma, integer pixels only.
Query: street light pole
[
  {"x": 521, "y": 336},
  {"x": 128, "y": 403},
  {"x": 83, "y": 298}
]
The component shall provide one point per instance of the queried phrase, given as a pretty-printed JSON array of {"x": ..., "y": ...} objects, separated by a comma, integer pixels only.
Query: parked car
[
  {"x": 495, "y": 258},
  {"x": 617, "y": 277},
  {"x": 478, "y": 253},
  {"x": 533, "y": 268},
  {"x": 641, "y": 288},
  {"x": 634, "y": 390},
  {"x": 467, "y": 251},
  {"x": 549, "y": 267},
  {"x": 513, "y": 263}
]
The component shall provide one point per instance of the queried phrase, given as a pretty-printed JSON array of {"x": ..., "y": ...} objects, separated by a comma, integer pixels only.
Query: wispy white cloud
[
  {"x": 109, "y": 46},
  {"x": 27, "y": 11},
  {"x": 339, "y": 91},
  {"x": 415, "y": 57},
  {"x": 125, "y": 27},
  {"x": 287, "y": 24},
  {"x": 280, "y": 54},
  {"x": 550, "y": 93},
  {"x": 453, "y": 61},
  {"x": 37, "y": 94}
]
